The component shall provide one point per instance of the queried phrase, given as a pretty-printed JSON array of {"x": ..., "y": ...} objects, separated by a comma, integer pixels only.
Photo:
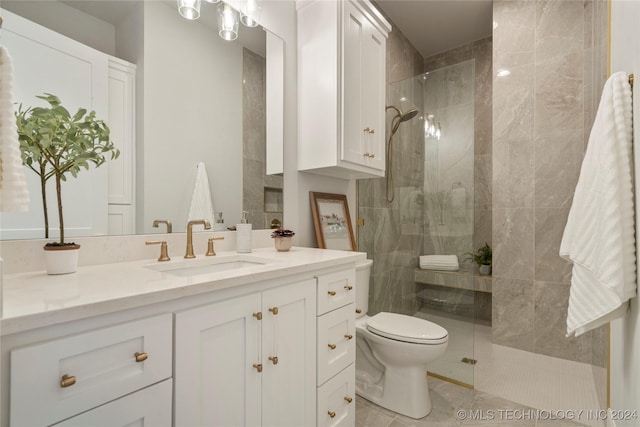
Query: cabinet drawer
[
  {"x": 66, "y": 376},
  {"x": 337, "y": 400},
  {"x": 336, "y": 290},
  {"x": 150, "y": 406},
  {"x": 336, "y": 342}
]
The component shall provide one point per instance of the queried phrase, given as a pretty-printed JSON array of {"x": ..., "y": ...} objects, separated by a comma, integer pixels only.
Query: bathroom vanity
[{"x": 266, "y": 338}]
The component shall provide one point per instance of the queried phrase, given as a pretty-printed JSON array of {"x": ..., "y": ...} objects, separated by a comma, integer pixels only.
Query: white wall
[{"x": 625, "y": 333}]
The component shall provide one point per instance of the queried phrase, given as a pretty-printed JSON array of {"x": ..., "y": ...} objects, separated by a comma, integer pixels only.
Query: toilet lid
[{"x": 407, "y": 328}]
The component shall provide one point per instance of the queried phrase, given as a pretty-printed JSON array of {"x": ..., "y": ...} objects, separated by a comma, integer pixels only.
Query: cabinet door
[
  {"x": 215, "y": 348},
  {"x": 354, "y": 135},
  {"x": 373, "y": 94},
  {"x": 336, "y": 400},
  {"x": 288, "y": 383},
  {"x": 148, "y": 407}
]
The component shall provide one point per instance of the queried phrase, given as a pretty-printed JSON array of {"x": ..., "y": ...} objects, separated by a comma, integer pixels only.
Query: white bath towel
[
  {"x": 201, "y": 204},
  {"x": 14, "y": 195},
  {"x": 599, "y": 235},
  {"x": 439, "y": 262}
]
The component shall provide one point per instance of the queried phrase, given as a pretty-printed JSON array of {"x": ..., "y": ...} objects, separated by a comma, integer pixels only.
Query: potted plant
[
  {"x": 282, "y": 239},
  {"x": 482, "y": 257},
  {"x": 55, "y": 144}
]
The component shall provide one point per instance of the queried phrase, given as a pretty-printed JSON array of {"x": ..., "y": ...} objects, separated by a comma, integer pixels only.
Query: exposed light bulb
[
  {"x": 251, "y": 10},
  {"x": 189, "y": 9},
  {"x": 228, "y": 22}
]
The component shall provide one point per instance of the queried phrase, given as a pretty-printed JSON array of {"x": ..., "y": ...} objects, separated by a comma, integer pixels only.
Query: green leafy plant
[
  {"x": 55, "y": 144},
  {"x": 482, "y": 256}
]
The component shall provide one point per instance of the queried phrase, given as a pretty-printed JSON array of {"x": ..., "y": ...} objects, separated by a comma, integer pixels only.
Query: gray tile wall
[{"x": 542, "y": 114}]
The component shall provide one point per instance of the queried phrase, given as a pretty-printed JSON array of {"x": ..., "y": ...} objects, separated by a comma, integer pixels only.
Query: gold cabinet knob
[
  {"x": 258, "y": 367},
  {"x": 332, "y": 414},
  {"x": 274, "y": 310},
  {"x": 349, "y": 399},
  {"x": 367, "y": 130},
  {"x": 348, "y": 287},
  {"x": 141, "y": 357},
  {"x": 332, "y": 346},
  {"x": 348, "y": 336},
  {"x": 372, "y": 131},
  {"x": 332, "y": 293},
  {"x": 258, "y": 315},
  {"x": 274, "y": 359},
  {"x": 67, "y": 381},
  {"x": 358, "y": 311}
]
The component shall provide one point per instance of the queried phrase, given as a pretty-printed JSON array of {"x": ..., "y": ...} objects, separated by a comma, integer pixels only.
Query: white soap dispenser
[{"x": 243, "y": 235}]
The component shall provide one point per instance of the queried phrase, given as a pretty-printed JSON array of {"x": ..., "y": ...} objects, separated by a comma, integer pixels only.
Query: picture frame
[{"x": 332, "y": 221}]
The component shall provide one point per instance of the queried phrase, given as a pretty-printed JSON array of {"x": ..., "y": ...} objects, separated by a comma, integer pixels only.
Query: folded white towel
[
  {"x": 439, "y": 262},
  {"x": 14, "y": 195},
  {"x": 599, "y": 235},
  {"x": 201, "y": 204}
]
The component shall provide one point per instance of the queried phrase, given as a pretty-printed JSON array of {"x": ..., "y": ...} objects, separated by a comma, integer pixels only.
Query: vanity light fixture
[
  {"x": 212, "y": 1},
  {"x": 250, "y": 13},
  {"x": 228, "y": 22},
  {"x": 189, "y": 9}
]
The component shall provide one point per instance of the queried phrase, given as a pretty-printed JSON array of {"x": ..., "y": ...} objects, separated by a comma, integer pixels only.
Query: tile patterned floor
[{"x": 456, "y": 406}]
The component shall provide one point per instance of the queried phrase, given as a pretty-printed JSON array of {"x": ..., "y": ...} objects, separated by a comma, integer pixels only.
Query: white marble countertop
[{"x": 35, "y": 299}]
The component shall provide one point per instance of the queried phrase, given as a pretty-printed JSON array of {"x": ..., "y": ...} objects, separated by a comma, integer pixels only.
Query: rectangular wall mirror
[{"x": 173, "y": 93}]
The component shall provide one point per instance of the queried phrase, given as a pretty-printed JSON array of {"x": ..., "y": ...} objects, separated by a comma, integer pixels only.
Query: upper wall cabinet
[{"x": 341, "y": 75}]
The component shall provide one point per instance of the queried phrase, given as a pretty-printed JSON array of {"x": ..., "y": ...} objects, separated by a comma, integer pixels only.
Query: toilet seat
[{"x": 409, "y": 329}]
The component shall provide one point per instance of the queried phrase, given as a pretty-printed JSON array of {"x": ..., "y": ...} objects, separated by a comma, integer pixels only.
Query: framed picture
[{"x": 332, "y": 221}]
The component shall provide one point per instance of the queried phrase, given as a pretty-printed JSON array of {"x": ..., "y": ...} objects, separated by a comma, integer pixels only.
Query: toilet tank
[{"x": 363, "y": 273}]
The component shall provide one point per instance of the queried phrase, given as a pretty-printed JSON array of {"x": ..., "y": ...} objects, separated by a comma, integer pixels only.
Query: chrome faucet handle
[
  {"x": 157, "y": 222},
  {"x": 164, "y": 249},
  {"x": 210, "y": 250}
]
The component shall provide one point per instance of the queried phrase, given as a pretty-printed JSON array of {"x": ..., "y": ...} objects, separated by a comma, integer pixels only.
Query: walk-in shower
[{"x": 396, "y": 120}]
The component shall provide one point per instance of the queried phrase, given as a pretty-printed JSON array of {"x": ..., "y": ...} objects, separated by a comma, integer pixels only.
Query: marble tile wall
[
  {"x": 542, "y": 114},
  {"x": 257, "y": 186}
]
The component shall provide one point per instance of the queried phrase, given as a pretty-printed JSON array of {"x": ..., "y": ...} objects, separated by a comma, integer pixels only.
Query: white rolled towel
[{"x": 439, "y": 262}]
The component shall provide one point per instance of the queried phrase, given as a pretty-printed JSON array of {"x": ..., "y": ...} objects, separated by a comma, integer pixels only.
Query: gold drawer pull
[
  {"x": 258, "y": 315},
  {"x": 274, "y": 359},
  {"x": 372, "y": 131},
  {"x": 367, "y": 130},
  {"x": 348, "y": 336},
  {"x": 332, "y": 293},
  {"x": 332, "y": 346},
  {"x": 141, "y": 357},
  {"x": 349, "y": 399},
  {"x": 348, "y": 287},
  {"x": 358, "y": 311},
  {"x": 67, "y": 381},
  {"x": 258, "y": 367},
  {"x": 332, "y": 414},
  {"x": 274, "y": 310}
]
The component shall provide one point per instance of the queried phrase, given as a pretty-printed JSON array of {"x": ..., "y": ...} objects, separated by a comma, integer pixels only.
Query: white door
[
  {"x": 216, "y": 347},
  {"x": 288, "y": 382}
]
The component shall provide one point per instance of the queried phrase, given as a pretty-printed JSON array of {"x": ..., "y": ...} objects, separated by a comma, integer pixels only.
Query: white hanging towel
[
  {"x": 201, "y": 205},
  {"x": 14, "y": 195},
  {"x": 599, "y": 235}
]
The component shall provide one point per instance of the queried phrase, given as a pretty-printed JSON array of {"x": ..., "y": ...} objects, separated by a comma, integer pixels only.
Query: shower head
[{"x": 400, "y": 117}]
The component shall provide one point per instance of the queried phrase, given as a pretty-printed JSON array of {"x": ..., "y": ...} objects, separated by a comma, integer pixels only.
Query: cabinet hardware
[
  {"x": 372, "y": 131},
  {"x": 367, "y": 130},
  {"x": 332, "y": 293},
  {"x": 348, "y": 336},
  {"x": 258, "y": 315},
  {"x": 274, "y": 359},
  {"x": 349, "y": 399},
  {"x": 358, "y": 311},
  {"x": 274, "y": 310},
  {"x": 369, "y": 155},
  {"x": 67, "y": 381},
  {"x": 258, "y": 367},
  {"x": 141, "y": 357},
  {"x": 332, "y": 414},
  {"x": 332, "y": 346},
  {"x": 348, "y": 287}
]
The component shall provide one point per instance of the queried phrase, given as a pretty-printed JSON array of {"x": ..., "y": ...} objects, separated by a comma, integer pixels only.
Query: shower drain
[{"x": 469, "y": 360}]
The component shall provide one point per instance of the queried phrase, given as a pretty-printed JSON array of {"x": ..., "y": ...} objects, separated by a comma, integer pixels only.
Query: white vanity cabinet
[
  {"x": 248, "y": 361},
  {"x": 341, "y": 72},
  {"x": 57, "y": 379},
  {"x": 336, "y": 349}
]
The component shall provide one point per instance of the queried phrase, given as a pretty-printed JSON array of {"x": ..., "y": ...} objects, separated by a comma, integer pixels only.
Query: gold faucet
[
  {"x": 190, "y": 225},
  {"x": 157, "y": 222}
]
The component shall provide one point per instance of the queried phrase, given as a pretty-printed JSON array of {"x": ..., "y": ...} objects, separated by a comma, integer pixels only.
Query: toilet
[{"x": 392, "y": 353}]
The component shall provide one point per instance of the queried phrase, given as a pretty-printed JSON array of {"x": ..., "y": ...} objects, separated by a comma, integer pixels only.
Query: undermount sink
[{"x": 192, "y": 267}]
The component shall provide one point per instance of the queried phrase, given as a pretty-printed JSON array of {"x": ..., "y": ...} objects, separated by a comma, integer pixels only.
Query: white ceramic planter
[
  {"x": 61, "y": 259},
  {"x": 484, "y": 269}
]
